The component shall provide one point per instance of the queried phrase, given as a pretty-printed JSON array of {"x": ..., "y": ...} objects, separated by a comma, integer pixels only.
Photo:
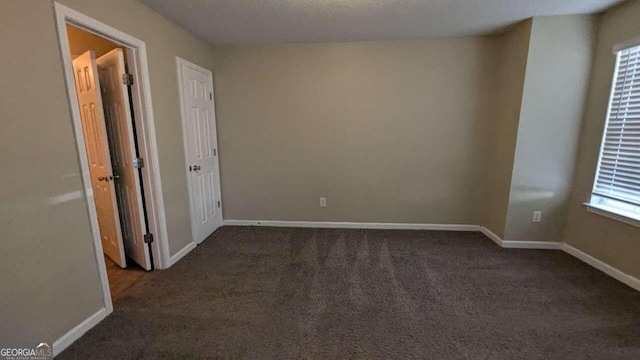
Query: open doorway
[
  {"x": 121, "y": 181},
  {"x": 103, "y": 86}
]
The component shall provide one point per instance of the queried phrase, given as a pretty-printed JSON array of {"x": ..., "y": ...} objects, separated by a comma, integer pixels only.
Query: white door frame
[
  {"x": 179, "y": 63},
  {"x": 141, "y": 94}
]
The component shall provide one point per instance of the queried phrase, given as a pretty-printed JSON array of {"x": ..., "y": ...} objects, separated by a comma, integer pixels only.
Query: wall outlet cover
[{"x": 537, "y": 216}]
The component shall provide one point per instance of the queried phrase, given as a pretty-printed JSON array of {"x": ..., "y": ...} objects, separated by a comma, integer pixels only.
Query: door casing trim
[{"x": 143, "y": 110}]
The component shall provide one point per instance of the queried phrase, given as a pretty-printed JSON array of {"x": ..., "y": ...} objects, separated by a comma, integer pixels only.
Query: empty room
[{"x": 320, "y": 179}]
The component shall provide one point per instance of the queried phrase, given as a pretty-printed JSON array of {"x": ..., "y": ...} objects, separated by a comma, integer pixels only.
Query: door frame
[
  {"x": 146, "y": 135},
  {"x": 180, "y": 62}
]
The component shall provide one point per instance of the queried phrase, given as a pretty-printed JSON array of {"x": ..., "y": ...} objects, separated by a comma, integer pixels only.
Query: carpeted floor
[{"x": 277, "y": 293}]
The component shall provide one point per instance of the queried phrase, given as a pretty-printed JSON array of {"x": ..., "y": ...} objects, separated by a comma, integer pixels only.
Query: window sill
[{"x": 614, "y": 214}]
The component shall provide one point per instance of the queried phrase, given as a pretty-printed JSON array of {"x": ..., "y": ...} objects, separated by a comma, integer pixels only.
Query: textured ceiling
[{"x": 259, "y": 21}]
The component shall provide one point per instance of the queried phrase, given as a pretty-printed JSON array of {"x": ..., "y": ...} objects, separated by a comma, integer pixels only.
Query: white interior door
[
  {"x": 117, "y": 111},
  {"x": 199, "y": 131},
  {"x": 97, "y": 146}
]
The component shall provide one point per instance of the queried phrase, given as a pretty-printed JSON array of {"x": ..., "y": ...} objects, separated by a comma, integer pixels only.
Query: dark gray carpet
[{"x": 276, "y": 293}]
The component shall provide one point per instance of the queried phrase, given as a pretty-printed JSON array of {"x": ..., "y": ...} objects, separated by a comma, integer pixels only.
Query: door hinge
[
  {"x": 138, "y": 163},
  {"x": 127, "y": 79},
  {"x": 215, "y": 153},
  {"x": 210, "y": 96},
  {"x": 218, "y": 203},
  {"x": 148, "y": 238}
]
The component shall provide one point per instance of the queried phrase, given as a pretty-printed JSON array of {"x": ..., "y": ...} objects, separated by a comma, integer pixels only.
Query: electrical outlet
[
  {"x": 323, "y": 202},
  {"x": 537, "y": 216}
]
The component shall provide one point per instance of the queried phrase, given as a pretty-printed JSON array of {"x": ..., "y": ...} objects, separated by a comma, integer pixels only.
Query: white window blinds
[{"x": 618, "y": 176}]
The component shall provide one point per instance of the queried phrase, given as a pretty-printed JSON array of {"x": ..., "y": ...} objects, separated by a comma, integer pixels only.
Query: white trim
[
  {"x": 183, "y": 116},
  {"x": 613, "y": 213},
  {"x": 151, "y": 171},
  {"x": 603, "y": 139},
  {"x": 491, "y": 235},
  {"x": 74, "y": 334},
  {"x": 512, "y": 244},
  {"x": 516, "y": 244},
  {"x": 136, "y": 51},
  {"x": 605, "y": 268},
  {"x": 352, "y": 225},
  {"x": 507, "y": 244},
  {"x": 180, "y": 254},
  {"x": 626, "y": 45},
  {"x": 62, "y": 13}
]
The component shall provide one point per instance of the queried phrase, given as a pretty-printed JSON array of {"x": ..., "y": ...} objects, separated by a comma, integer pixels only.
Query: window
[{"x": 617, "y": 184}]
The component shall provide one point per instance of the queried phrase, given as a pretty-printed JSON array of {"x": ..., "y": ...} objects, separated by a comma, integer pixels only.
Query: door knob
[
  {"x": 114, "y": 177},
  {"x": 196, "y": 167}
]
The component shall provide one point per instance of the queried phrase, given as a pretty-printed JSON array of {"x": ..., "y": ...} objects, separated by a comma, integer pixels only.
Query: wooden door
[
  {"x": 117, "y": 110},
  {"x": 97, "y": 146}
]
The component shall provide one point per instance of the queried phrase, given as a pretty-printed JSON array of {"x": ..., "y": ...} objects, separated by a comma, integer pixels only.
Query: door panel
[
  {"x": 199, "y": 125},
  {"x": 117, "y": 109},
  {"x": 93, "y": 126}
]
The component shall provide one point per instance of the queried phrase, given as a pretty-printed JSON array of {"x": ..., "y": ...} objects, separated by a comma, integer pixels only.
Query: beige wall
[
  {"x": 47, "y": 263},
  {"x": 48, "y": 269},
  {"x": 386, "y": 131},
  {"x": 613, "y": 242},
  {"x": 503, "y": 125},
  {"x": 553, "y": 99},
  {"x": 399, "y": 131}
]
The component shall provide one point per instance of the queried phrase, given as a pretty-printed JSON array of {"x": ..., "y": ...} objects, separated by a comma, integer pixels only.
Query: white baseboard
[
  {"x": 605, "y": 268},
  {"x": 352, "y": 225},
  {"x": 488, "y": 233},
  {"x": 75, "y": 333},
  {"x": 511, "y": 244},
  {"x": 180, "y": 254},
  {"x": 515, "y": 244},
  {"x": 507, "y": 244}
]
